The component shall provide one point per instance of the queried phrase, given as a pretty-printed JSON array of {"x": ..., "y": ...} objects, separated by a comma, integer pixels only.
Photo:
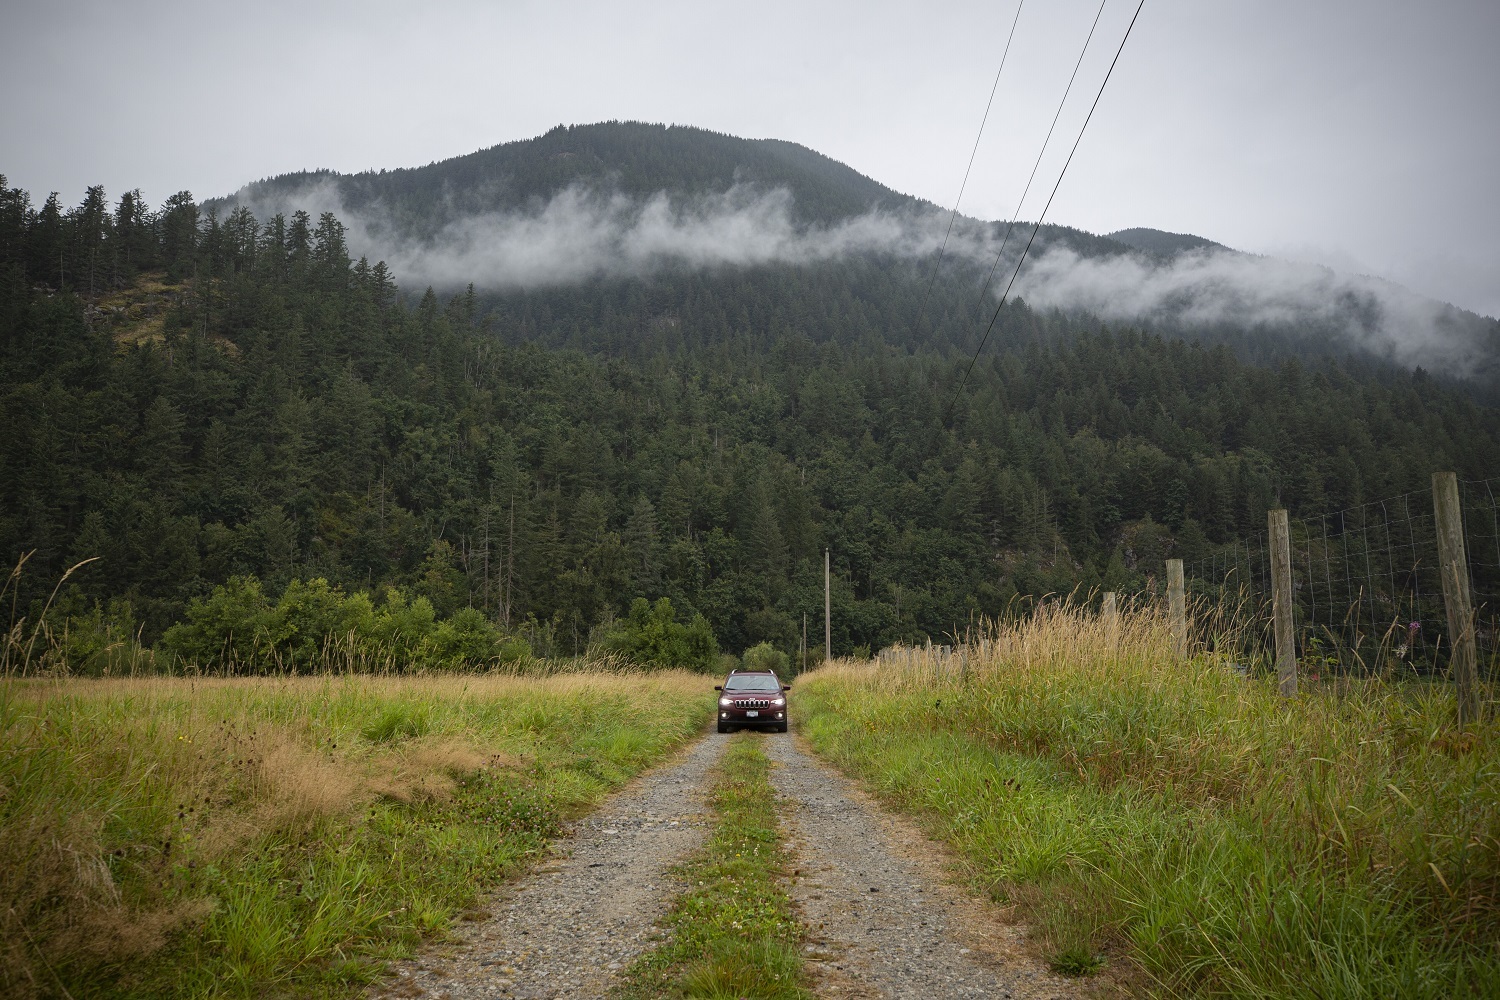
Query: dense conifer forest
[{"x": 197, "y": 398}]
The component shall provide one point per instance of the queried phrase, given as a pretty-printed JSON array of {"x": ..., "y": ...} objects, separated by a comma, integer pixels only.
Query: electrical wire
[
  {"x": 1016, "y": 215},
  {"x": 1034, "y": 229},
  {"x": 932, "y": 279}
]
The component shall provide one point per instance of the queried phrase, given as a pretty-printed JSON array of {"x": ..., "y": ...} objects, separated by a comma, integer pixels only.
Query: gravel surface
[
  {"x": 882, "y": 916},
  {"x": 589, "y": 910},
  {"x": 883, "y": 919}
]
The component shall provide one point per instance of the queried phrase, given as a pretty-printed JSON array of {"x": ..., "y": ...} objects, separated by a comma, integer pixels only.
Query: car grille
[{"x": 752, "y": 704}]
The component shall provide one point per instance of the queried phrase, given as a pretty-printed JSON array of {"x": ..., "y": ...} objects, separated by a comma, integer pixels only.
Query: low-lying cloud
[
  {"x": 1225, "y": 288},
  {"x": 581, "y": 234}
]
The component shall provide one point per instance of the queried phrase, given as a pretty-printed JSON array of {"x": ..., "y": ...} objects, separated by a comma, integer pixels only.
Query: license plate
[{"x": 751, "y": 715}]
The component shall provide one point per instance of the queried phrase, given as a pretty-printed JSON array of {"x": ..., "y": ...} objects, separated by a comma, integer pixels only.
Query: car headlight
[
  {"x": 725, "y": 703},
  {"x": 778, "y": 702}
]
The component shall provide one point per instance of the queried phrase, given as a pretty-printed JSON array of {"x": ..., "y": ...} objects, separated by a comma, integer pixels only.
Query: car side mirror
[
  {"x": 718, "y": 687},
  {"x": 786, "y": 687}
]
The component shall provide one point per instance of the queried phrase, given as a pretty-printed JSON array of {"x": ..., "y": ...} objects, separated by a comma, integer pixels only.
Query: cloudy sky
[{"x": 1358, "y": 133}]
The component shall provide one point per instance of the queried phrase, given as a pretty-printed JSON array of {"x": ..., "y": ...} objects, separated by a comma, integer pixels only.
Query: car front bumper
[{"x": 763, "y": 716}]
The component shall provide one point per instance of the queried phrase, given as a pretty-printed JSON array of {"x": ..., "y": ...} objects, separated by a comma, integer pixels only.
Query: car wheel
[
  {"x": 781, "y": 727},
  {"x": 723, "y": 727}
]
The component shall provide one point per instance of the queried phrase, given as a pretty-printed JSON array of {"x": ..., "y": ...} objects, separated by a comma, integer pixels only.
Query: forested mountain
[
  {"x": 624, "y": 225},
  {"x": 196, "y": 397},
  {"x": 634, "y": 158},
  {"x": 1165, "y": 244}
]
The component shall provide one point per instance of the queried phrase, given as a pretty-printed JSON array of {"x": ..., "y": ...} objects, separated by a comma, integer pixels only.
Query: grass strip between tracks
[
  {"x": 176, "y": 838},
  {"x": 732, "y": 934}
]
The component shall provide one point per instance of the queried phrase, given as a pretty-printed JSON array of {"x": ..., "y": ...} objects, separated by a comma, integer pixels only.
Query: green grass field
[
  {"x": 1184, "y": 827},
  {"x": 175, "y": 837}
]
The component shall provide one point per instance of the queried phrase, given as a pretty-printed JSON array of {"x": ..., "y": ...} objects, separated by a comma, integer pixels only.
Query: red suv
[{"x": 752, "y": 698}]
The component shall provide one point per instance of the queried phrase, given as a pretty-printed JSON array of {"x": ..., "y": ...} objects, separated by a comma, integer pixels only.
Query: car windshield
[{"x": 752, "y": 682}]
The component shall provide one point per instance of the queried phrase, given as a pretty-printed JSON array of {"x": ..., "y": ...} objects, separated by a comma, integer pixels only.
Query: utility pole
[
  {"x": 510, "y": 555},
  {"x": 827, "y": 611}
]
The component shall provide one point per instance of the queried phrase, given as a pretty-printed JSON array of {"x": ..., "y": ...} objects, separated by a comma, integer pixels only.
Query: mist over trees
[
  {"x": 582, "y": 208},
  {"x": 197, "y": 398}
]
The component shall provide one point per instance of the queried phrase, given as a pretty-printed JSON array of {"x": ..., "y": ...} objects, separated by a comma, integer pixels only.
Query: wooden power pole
[
  {"x": 827, "y": 611},
  {"x": 1454, "y": 565},
  {"x": 1281, "y": 601}
]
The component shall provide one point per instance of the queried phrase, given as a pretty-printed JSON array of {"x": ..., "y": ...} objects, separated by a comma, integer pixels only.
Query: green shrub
[
  {"x": 512, "y": 649},
  {"x": 651, "y": 635},
  {"x": 224, "y": 630},
  {"x": 766, "y": 657},
  {"x": 466, "y": 638},
  {"x": 399, "y": 628},
  {"x": 101, "y": 642},
  {"x": 316, "y": 625}
]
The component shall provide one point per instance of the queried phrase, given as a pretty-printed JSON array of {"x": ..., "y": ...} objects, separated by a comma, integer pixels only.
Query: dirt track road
[
  {"x": 882, "y": 920},
  {"x": 569, "y": 926}
]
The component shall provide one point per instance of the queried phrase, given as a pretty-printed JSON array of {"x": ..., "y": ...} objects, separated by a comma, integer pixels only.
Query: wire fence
[{"x": 1367, "y": 595}]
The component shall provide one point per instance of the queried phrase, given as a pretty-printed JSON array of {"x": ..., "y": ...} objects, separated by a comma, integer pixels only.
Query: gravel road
[
  {"x": 565, "y": 929},
  {"x": 882, "y": 918}
]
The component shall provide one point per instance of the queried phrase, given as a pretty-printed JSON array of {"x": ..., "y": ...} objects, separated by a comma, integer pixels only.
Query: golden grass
[{"x": 118, "y": 795}]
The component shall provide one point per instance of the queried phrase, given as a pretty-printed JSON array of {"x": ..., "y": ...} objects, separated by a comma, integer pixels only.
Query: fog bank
[{"x": 582, "y": 234}]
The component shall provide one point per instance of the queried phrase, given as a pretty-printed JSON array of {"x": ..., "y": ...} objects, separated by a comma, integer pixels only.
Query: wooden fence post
[
  {"x": 1454, "y": 565},
  {"x": 1110, "y": 615},
  {"x": 1281, "y": 601},
  {"x": 1177, "y": 608}
]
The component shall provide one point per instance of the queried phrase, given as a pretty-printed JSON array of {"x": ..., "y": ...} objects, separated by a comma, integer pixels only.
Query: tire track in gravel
[
  {"x": 567, "y": 928},
  {"x": 882, "y": 918}
]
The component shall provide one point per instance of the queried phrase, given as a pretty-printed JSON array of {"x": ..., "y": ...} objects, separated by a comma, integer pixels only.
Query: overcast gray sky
[{"x": 1359, "y": 133}]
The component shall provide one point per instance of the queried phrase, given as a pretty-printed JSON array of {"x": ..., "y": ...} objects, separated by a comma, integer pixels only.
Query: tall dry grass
[
  {"x": 200, "y": 835},
  {"x": 1231, "y": 842}
]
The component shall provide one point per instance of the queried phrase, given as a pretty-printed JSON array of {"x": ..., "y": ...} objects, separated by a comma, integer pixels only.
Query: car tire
[
  {"x": 781, "y": 727},
  {"x": 723, "y": 727}
]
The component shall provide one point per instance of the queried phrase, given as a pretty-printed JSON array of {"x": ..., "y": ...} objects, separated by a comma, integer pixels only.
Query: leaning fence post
[
  {"x": 1177, "y": 608},
  {"x": 1454, "y": 565},
  {"x": 1281, "y": 601}
]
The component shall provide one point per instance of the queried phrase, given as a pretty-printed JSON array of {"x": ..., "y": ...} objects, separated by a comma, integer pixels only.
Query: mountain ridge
[{"x": 623, "y": 201}]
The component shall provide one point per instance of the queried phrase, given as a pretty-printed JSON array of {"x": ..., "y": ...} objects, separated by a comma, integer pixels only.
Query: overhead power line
[
  {"x": 922, "y": 312},
  {"x": 1035, "y": 228},
  {"x": 1016, "y": 215}
]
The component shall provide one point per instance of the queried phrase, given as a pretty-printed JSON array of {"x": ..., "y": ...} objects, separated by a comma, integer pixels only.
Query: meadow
[
  {"x": 206, "y": 837},
  {"x": 1182, "y": 827}
]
